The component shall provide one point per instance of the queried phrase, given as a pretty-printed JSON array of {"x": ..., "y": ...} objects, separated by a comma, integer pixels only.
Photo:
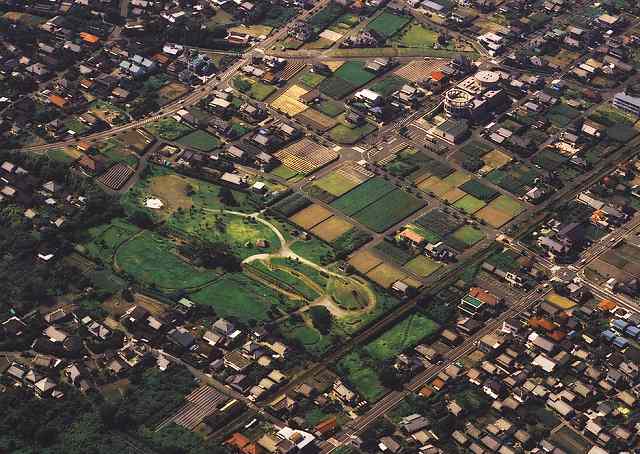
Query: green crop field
[
  {"x": 468, "y": 235},
  {"x": 361, "y": 376},
  {"x": 479, "y": 190},
  {"x": 388, "y": 85},
  {"x": 200, "y": 140},
  {"x": 469, "y": 204},
  {"x": 312, "y": 80},
  {"x": 336, "y": 88},
  {"x": 403, "y": 335},
  {"x": 237, "y": 295},
  {"x": 354, "y": 73},
  {"x": 423, "y": 266},
  {"x": 508, "y": 205},
  {"x": 152, "y": 259},
  {"x": 388, "y": 24},
  {"x": 330, "y": 108},
  {"x": 389, "y": 210},
  {"x": 363, "y": 195},
  {"x": 348, "y": 134},
  {"x": 335, "y": 184}
]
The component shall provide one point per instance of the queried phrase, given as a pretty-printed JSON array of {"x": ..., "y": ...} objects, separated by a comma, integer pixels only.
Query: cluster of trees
[{"x": 212, "y": 254}]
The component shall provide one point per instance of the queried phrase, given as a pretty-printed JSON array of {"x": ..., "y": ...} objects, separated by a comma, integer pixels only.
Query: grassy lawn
[
  {"x": 361, "y": 376},
  {"x": 387, "y": 24},
  {"x": 104, "y": 239},
  {"x": 347, "y": 294},
  {"x": 403, "y": 335},
  {"x": 311, "y": 80},
  {"x": 468, "y": 234},
  {"x": 330, "y": 108},
  {"x": 363, "y": 195},
  {"x": 238, "y": 232},
  {"x": 389, "y": 210},
  {"x": 240, "y": 297},
  {"x": 152, "y": 260},
  {"x": 62, "y": 155},
  {"x": 168, "y": 129},
  {"x": 200, "y": 140}
]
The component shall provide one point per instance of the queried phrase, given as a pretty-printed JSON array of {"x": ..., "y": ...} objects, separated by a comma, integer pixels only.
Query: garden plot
[
  {"x": 479, "y": 190},
  {"x": 388, "y": 24},
  {"x": 363, "y": 195},
  {"x": 469, "y": 204},
  {"x": 494, "y": 160},
  {"x": 306, "y": 156},
  {"x": 516, "y": 178},
  {"x": 422, "y": 266},
  {"x": 388, "y": 85},
  {"x": 331, "y": 229},
  {"x": 316, "y": 120},
  {"x": 343, "y": 180},
  {"x": 311, "y": 80},
  {"x": 439, "y": 222},
  {"x": 289, "y": 101},
  {"x": 347, "y": 78},
  {"x": 500, "y": 211},
  {"x": 311, "y": 216},
  {"x": 466, "y": 236},
  {"x": 389, "y": 210},
  {"x": 385, "y": 274},
  {"x": 417, "y": 166},
  {"x": 330, "y": 108},
  {"x": 364, "y": 261},
  {"x": 417, "y": 71},
  {"x": 347, "y": 134}
]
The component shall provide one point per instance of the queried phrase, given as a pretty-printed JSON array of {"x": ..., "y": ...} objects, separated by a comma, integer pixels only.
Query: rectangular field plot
[
  {"x": 469, "y": 204},
  {"x": 500, "y": 211},
  {"x": 364, "y": 261},
  {"x": 363, "y": 195},
  {"x": 343, "y": 179},
  {"x": 467, "y": 236},
  {"x": 423, "y": 266},
  {"x": 439, "y": 222},
  {"x": 306, "y": 156},
  {"x": 289, "y": 101},
  {"x": 389, "y": 210},
  {"x": 479, "y": 190},
  {"x": 311, "y": 216},
  {"x": 417, "y": 71},
  {"x": 354, "y": 73},
  {"x": 331, "y": 229},
  {"x": 386, "y": 274},
  {"x": 316, "y": 120},
  {"x": 388, "y": 24}
]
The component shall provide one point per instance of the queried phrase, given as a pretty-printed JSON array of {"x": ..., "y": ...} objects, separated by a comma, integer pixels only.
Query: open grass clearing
[
  {"x": 354, "y": 73},
  {"x": 153, "y": 260},
  {"x": 237, "y": 296}
]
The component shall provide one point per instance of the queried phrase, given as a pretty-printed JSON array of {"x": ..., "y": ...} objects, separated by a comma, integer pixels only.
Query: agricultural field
[
  {"x": 347, "y": 134},
  {"x": 289, "y": 101},
  {"x": 388, "y": 85},
  {"x": 315, "y": 120},
  {"x": 416, "y": 166},
  {"x": 306, "y": 156},
  {"x": 311, "y": 216},
  {"x": 171, "y": 91},
  {"x": 330, "y": 108},
  {"x": 153, "y": 260},
  {"x": 363, "y": 195},
  {"x": 347, "y": 78},
  {"x": 114, "y": 151},
  {"x": 406, "y": 334},
  {"x": 468, "y": 235},
  {"x": 513, "y": 177},
  {"x": 388, "y": 24},
  {"x": 423, "y": 266},
  {"x": 331, "y": 229},
  {"x": 200, "y": 140},
  {"x": 469, "y": 204},
  {"x": 500, "y": 211},
  {"x": 389, "y": 210},
  {"x": 311, "y": 80}
]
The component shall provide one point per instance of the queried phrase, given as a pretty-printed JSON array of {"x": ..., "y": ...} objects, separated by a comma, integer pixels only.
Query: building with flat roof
[{"x": 627, "y": 102}]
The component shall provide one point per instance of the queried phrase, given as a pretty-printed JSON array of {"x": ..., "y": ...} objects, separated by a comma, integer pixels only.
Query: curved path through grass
[{"x": 286, "y": 252}]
